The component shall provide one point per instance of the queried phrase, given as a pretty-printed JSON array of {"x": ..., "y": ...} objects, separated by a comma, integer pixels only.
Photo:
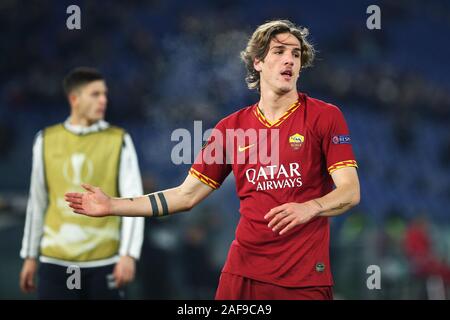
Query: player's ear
[
  {"x": 257, "y": 64},
  {"x": 73, "y": 98}
]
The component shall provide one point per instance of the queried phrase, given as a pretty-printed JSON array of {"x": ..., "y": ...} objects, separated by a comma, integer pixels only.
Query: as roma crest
[{"x": 296, "y": 141}]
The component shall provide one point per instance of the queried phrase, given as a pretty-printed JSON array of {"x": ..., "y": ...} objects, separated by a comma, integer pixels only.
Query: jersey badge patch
[
  {"x": 344, "y": 139},
  {"x": 296, "y": 141}
]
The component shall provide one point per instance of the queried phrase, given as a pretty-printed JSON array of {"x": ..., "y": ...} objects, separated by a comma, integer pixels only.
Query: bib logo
[
  {"x": 296, "y": 141},
  {"x": 78, "y": 169}
]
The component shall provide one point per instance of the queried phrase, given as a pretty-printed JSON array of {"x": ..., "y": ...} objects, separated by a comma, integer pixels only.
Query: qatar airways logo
[{"x": 275, "y": 177}]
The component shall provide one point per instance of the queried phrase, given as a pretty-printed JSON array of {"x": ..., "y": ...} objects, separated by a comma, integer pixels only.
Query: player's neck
[
  {"x": 80, "y": 121},
  {"x": 274, "y": 105}
]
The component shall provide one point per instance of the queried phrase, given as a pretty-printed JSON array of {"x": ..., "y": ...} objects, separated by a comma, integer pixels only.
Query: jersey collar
[
  {"x": 76, "y": 129},
  {"x": 258, "y": 113}
]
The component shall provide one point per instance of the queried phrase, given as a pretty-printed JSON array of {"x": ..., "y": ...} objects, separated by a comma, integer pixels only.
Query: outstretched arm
[{"x": 96, "y": 203}]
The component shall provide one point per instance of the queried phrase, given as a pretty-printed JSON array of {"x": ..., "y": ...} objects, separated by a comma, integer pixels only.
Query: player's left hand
[
  {"x": 290, "y": 215},
  {"x": 124, "y": 271}
]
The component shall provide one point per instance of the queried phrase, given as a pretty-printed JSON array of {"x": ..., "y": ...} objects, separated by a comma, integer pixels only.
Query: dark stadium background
[{"x": 168, "y": 63}]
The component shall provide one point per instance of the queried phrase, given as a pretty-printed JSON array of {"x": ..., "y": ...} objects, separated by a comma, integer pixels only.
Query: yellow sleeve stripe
[
  {"x": 342, "y": 164},
  {"x": 208, "y": 181}
]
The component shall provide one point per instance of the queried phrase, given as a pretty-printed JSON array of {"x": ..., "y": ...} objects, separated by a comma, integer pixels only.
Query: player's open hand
[
  {"x": 94, "y": 202},
  {"x": 290, "y": 215}
]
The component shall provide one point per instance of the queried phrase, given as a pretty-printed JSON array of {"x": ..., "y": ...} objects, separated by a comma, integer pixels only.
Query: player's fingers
[
  {"x": 129, "y": 278},
  {"x": 291, "y": 225},
  {"x": 79, "y": 211},
  {"x": 117, "y": 270},
  {"x": 274, "y": 211},
  {"x": 280, "y": 215},
  {"x": 74, "y": 201},
  {"x": 22, "y": 282},
  {"x": 26, "y": 282},
  {"x": 118, "y": 276},
  {"x": 283, "y": 222},
  {"x": 125, "y": 277},
  {"x": 88, "y": 187},
  {"x": 76, "y": 206},
  {"x": 275, "y": 219},
  {"x": 130, "y": 275},
  {"x": 30, "y": 283},
  {"x": 73, "y": 195},
  {"x": 271, "y": 213}
]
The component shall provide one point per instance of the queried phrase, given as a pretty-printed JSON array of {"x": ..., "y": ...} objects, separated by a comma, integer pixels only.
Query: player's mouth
[
  {"x": 287, "y": 74},
  {"x": 100, "y": 111}
]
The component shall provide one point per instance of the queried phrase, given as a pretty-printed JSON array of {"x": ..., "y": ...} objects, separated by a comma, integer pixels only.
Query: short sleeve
[
  {"x": 210, "y": 165},
  {"x": 336, "y": 140}
]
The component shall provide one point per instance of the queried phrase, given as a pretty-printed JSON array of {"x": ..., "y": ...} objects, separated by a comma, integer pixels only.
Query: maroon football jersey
[{"x": 289, "y": 160}]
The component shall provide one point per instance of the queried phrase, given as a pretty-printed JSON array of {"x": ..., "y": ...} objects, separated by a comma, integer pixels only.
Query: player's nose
[{"x": 288, "y": 60}]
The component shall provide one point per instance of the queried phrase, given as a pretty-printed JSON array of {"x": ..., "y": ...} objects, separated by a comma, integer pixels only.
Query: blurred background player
[
  {"x": 84, "y": 148},
  {"x": 281, "y": 250}
]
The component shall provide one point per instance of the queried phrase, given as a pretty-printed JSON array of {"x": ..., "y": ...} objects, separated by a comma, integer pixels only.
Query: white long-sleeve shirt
[{"x": 130, "y": 185}]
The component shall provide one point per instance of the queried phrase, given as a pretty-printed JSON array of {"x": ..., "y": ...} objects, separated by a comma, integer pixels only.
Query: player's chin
[
  {"x": 97, "y": 116},
  {"x": 283, "y": 89}
]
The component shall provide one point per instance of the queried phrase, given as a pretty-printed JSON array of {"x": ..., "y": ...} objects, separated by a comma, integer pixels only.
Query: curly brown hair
[{"x": 258, "y": 46}]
